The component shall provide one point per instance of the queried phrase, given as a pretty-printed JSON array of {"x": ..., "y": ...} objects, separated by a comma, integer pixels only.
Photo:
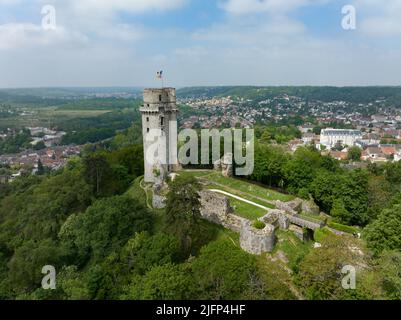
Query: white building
[{"x": 330, "y": 137}]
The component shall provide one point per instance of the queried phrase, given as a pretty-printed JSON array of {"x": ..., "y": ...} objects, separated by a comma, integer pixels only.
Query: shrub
[
  {"x": 341, "y": 227},
  {"x": 259, "y": 225},
  {"x": 320, "y": 234}
]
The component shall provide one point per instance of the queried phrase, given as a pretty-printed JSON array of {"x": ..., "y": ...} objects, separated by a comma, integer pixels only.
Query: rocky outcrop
[{"x": 159, "y": 199}]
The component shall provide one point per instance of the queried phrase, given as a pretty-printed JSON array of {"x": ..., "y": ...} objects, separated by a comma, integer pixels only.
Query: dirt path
[
  {"x": 240, "y": 199},
  {"x": 145, "y": 189},
  {"x": 237, "y": 191}
]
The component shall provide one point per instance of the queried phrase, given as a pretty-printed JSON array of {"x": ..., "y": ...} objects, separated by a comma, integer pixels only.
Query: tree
[
  {"x": 41, "y": 169},
  {"x": 183, "y": 210},
  {"x": 389, "y": 268},
  {"x": 354, "y": 153},
  {"x": 97, "y": 170},
  {"x": 27, "y": 262},
  {"x": 223, "y": 271},
  {"x": 385, "y": 232},
  {"x": 320, "y": 275},
  {"x": 39, "y": 146},
  {"x": 340, "y": 213},
  {"x": 143, "y": 251},
  {"x": 301, "y": 169},
  {"x": 106, "y": 226},
  {"x": 166, "y": 282}
]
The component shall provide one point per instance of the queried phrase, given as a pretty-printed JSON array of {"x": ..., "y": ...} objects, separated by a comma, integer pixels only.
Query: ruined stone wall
[{"x": 216, "y": 208}]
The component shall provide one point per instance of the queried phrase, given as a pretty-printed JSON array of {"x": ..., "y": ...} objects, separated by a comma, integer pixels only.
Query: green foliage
[
  {"x": 111, "y": 172},
  {"x": 25, "y": 267},
  {"x": 144, "y": 251},
  {"x": 183, "y": 211},
  {"x": 301, "y": 169},
  {"x": 106, "y": 226},
  {"x": 348, "y": 191},
  {"x": 90, "y": 130},
  {"x": 320, "y": 274},
  {"x": 280, "y": 134},
  {"x": 165, "y": 282},
  {"x": 15, "y": 143},
  {"x": 339, "y": 212},
  {"x": 269, "y": 162},
  {"x": 389, "y": 268},
  {"x": 354, "y": 153},
  {"x": 320, "y": 234},
  {"x": 343, "y": 228},
  {"x": 222, "y": 271},
  {"x": 393, "y": 173},
  {"x": 259, "y": 224},
  {"x": 385, "y": 232},
  {"x": 36, "y": 212}
]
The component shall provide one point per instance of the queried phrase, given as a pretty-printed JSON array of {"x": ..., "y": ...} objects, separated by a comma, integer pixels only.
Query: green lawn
[
  {"x": 246, "y": 210},
  {"x": 249, "y": 188},
  {"x": 293, "y": 248}
]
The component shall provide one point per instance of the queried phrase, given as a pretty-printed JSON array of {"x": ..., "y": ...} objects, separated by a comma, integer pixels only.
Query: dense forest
[{"x": 325, "y": 94}]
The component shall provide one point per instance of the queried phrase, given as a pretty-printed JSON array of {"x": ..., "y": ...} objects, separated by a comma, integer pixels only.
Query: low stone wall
[{"x": 305, "y": 223}]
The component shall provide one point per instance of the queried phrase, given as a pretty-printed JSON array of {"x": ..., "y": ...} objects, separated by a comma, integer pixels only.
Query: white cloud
[
  {"x": 20, "y": 35},
  {"x": 379, "y": 18},
  {"x": 240, "y": 7},
  {"x": 133, "y": 6}
]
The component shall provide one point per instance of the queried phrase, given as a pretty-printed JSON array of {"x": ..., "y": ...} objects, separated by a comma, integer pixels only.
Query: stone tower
[{"x": 159, "y": 117}]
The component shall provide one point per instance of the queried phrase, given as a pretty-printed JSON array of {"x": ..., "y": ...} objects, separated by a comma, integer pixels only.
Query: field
[{"x": 37, "y": 117}]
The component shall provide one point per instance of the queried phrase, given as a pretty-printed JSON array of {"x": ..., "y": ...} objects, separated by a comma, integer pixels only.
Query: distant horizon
[{"x": 197, "y": 86}]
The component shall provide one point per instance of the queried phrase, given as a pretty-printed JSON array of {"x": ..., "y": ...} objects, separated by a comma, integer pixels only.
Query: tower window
[
  {"x": 162, "y": 121},
  {"x": 160, "y": 97},
  {"x": 147, "y": 119},
  {"x": 147, "y": 130}
]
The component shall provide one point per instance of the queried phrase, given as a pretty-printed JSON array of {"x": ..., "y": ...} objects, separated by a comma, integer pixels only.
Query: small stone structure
[{"x": 257, "y": 241}]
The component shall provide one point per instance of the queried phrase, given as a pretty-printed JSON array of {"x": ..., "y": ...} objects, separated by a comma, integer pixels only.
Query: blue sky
[{"x": 199, "y": 42}]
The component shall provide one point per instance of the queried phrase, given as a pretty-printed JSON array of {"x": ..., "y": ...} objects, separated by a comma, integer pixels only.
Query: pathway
[{"x": 240, "y": 199}]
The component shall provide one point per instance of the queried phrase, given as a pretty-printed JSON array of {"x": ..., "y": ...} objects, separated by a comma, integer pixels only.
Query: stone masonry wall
[{"x": 216, "y": 208}]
